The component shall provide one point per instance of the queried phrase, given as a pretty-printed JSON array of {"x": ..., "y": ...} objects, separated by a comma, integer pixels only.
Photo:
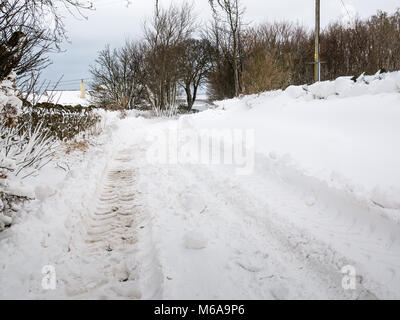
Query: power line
[
  {"x": 345, "y": 8},
  {"x": 105, "y": 2},
  {"x": 71, "y": 81},
  {"x": 67, "y": 81},
  {"x": 113, "y": 2}
]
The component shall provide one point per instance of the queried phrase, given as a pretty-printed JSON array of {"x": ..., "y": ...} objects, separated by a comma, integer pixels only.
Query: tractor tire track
[{"x": 109, "y": 267}]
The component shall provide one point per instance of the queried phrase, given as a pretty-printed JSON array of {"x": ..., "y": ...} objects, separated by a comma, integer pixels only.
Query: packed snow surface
[{"x": 316, "y": 216}]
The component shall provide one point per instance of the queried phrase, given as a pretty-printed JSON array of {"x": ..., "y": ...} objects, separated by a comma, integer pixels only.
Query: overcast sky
[{"x": 112, "y": 22}]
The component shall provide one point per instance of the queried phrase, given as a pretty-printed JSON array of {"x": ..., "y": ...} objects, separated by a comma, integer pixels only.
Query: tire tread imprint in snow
[{"x": 110, "y": 238}]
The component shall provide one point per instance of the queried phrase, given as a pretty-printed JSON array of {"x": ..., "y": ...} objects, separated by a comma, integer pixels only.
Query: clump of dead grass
[{"x": 73, "y": 146}]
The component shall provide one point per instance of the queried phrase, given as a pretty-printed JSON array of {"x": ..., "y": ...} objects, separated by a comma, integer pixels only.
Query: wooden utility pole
[{"x": 317, "y": 70}]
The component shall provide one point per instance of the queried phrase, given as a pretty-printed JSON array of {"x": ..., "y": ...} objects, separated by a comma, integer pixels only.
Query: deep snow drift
[
  {"x": 316, "y": 216},
  {"x": 344, "y": 133}
]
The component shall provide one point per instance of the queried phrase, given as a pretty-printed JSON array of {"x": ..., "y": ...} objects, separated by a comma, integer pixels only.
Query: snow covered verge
[
  {"x": 30, "y": 139},
  {"x": 345, "y": 133},
  {"x": 17, "y": 153},
  {"x": 41, "y": 233}
]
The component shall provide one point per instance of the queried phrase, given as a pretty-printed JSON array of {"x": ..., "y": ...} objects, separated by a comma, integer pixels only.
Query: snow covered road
[
  {"x": 275, "y": 234},
  {"x": 128, "y": 223},
  {"x": 183, "y": 231}
]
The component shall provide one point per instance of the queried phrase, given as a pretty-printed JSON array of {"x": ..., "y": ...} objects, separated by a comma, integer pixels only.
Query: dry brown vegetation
[
  {"x": 73, "y": 146},
  {"x": 276, "y": 55},
  {"x": 233, "y": 58}
]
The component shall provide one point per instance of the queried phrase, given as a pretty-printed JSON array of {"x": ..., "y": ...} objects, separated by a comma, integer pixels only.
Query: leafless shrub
[
  {"x": 262, "y": 73},
  {"x": 194, "y": 65},
  {"x": 31, "y": 29},
  {"x": 364, "y": 46},
  {"x": 21, "y": 155},
  {"x": 228, "y": 16},
  {"x": 221, "y": 82},
  {"x": 117, "y": 77},
  {"x": 73, "y": 146},
  {"x": 164, "y": 36}
]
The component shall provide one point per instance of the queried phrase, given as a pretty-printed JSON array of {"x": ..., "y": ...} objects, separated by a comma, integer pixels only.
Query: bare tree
[
  {"x": 262, "y": 72},
  {"x": 164, "y": 35},
  {"x": 365, "y": 46},
  {"x": 232, "y": 20},
  {"x": 117, "y": 77},
  {"x": 29, "y": 29},
  {"x": 286, "y": 45},
  {"x": 221, "y": 83},
  {"x": 194, "y": 65}
]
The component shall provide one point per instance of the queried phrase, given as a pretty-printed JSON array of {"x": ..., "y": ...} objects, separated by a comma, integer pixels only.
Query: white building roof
[{"x": 72, "y": 97}]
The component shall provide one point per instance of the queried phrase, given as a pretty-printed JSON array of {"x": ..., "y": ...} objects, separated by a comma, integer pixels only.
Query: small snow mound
[
  {"x": 16, "y": 188},
  {"x": 72, "y": 174},
  {"x": 184, "y": 123},
  {"x": 388, "y": 199},
  {"x": 322, "y": 90},
  {"x": 192, "y": 203},
  {"x": 295, "y": 92},
  {"x": 15, "y": 102},
  {"x": 44, "y": 192},
  {"x": 310, "y": 200},
  {"x": 5, "y": 220},
  {"x": 195, "y": 241},
  {"x": 344, "y": 86}
]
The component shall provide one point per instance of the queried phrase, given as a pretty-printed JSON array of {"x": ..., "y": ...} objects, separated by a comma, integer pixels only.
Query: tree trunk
[
  {"x": 236, "y": 64},
  {"x": 189, "y": 98}
]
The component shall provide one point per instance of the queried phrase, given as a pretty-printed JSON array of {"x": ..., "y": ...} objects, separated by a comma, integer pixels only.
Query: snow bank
[
  {"x": 346, "y": 87},
  {"x": 10, "y": 105},
  {"x": 343, "y": 132},
  {"x": 41, "y": 233},
  {"x": 10, "y": 109}
]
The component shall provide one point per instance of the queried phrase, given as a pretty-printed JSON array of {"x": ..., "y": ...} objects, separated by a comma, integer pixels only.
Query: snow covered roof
[{"x": 71, "y": 97}]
